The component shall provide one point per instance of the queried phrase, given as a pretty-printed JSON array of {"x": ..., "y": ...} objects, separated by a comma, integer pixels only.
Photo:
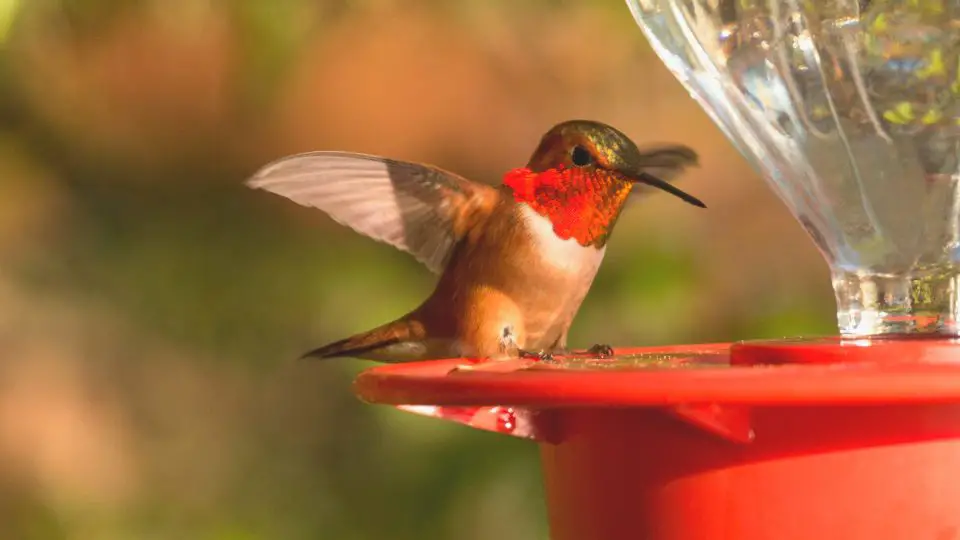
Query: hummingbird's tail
[{"x": 403, "y": 340}]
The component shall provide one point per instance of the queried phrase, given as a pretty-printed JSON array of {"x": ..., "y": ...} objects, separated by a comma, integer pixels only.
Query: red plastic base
[
  {"x": 808, "y": 439},
  {"x": 850, "y": 473},
  {"x": 808, "y": 372}
]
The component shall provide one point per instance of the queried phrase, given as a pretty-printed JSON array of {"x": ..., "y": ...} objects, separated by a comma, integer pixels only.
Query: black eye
[{"x": 581, "y": 156}]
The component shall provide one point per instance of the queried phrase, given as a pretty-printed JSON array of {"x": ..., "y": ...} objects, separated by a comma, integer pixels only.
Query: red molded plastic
[{"x": 802, "y": 439}]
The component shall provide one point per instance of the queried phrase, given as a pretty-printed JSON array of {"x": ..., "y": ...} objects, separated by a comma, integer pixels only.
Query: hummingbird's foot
[
  {"x": 601, "y": 351},
  {"x": 543, "y": 356}
]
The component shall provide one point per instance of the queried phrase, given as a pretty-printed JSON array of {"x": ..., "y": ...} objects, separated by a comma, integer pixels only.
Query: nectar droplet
[{"x": 506, "y": 419}]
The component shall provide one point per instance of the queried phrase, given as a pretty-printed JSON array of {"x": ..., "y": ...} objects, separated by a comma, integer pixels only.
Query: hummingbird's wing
[
  {"x": 665, "y": 161},
  {"x": 417, "y": 208}
]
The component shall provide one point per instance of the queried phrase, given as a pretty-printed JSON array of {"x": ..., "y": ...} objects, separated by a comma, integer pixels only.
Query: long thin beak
[{"x": 651, "y": 180}]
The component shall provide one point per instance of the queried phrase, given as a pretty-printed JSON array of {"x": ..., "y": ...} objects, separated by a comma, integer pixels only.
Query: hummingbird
[{"x": 515, "y": 261}]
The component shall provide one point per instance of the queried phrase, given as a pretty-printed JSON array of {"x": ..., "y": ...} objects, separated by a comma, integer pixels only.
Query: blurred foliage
[{"x": 154, "y": 307}]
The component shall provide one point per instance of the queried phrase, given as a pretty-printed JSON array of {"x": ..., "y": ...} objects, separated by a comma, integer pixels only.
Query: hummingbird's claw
[
  {"x": 542, "y": 356},
  {"x": 601, "y": 351}
]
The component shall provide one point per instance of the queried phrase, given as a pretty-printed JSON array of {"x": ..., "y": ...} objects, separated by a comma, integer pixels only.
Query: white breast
[
  {"x": 568, "y": 255},
  {"x": 569, "y": 270}
]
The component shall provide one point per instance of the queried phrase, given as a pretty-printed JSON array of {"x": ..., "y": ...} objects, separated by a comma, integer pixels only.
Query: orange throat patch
[{"x": 581, "y": 204}]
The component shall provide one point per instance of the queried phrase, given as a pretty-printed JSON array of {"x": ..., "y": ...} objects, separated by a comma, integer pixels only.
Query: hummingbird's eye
[{"x": 580, "y": 156}]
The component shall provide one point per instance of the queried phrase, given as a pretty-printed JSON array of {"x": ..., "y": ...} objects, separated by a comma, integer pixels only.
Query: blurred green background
[{"x": 153, "y": 307}]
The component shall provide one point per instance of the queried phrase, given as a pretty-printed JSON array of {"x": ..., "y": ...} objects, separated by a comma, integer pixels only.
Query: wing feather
[
  {"x": 413, "y": 207},
  {"x": 666, "y": 162}
]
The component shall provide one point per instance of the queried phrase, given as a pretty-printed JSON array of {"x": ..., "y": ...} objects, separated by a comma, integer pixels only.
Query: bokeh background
[{"x": 153, "y": 307}]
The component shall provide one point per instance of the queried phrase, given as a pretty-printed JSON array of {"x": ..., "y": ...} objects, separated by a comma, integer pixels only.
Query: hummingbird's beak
[{"x": 651, "y": 180}]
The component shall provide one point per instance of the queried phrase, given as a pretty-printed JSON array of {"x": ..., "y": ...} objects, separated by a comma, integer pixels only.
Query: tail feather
[{"x": 396, "y": 341}]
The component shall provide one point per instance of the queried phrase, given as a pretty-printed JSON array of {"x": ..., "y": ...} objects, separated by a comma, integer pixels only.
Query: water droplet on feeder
[{"x": 506, "y": 419}]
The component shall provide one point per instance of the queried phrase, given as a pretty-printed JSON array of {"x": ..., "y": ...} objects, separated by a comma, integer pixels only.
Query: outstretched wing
[{"x": 417, "y": 208}]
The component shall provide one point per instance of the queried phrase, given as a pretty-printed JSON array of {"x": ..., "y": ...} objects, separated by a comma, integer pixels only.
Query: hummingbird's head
[{"x": 582, "y": 172}]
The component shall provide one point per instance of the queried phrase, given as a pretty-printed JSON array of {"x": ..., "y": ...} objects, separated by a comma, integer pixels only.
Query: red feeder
[{"x": 794, "y": 440}]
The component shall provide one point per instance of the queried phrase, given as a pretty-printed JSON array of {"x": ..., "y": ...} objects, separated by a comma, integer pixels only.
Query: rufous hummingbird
[{"x": 515, "y": 261}]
